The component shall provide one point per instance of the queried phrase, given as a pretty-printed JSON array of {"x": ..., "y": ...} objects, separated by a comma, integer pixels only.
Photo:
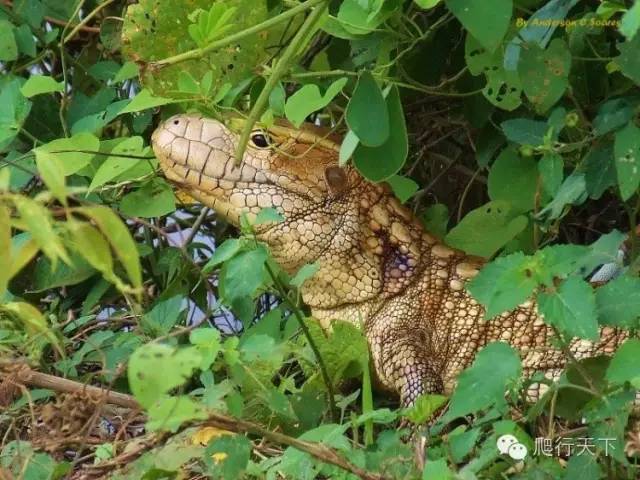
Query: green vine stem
[
  {"x": 295, "y": 46},
  {"x": 283, "y": 291},
  {"x": 223, "y": 42}
]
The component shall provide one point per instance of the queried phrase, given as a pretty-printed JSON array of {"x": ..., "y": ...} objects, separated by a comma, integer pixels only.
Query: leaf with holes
[
  {"x": 486, "y": 229},
  {"x": 157, "y": 29},
  {"x": 629, "y": 60},
  {"x": 627, "y": 159},
  {"x": 152, "y": 199},
  {"x": 544, "y": 73},
  {"x": 155, "y": 369},
  {"x": 504, "y": 283}
]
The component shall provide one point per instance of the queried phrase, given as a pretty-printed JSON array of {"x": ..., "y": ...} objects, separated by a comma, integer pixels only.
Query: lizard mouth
[{"x": 198, "y": 153}]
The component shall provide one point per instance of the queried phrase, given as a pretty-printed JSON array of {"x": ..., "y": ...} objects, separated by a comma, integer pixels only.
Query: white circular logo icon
[{"x": 509, "y": 445}]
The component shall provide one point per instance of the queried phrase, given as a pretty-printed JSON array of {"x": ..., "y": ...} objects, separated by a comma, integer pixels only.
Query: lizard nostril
[{"x": 176, "y": 122}]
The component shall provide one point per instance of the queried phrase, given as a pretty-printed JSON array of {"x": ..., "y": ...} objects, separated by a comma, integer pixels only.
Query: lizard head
[{"x": 358, "y": 231}]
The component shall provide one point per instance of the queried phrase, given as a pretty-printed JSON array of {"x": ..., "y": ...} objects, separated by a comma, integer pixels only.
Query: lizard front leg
[{"x": 402, "y": 364}]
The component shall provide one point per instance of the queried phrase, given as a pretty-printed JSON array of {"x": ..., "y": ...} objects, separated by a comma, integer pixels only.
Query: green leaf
[
  {"x": 504, "y": 283},
  {"x": 233, "y": 452},
  {"x": 344, "y": 352},
  {"x": 8, "y": 46},
  {"x": 571, "y": 191},
  {"x": 627, "y": 159},
  {"x": 72, "y": 154},
  {"x": 524, "y": 131},
  {"x": 241, "y": 276},
  {"x": 571, "y": 308},
  {"x": 39, "y": 84},
  {"x": 488, "y": 21},
  {"x": 435, "y": 219},
  {"x": 163, "y": 316},
  {"x": 46, "y": 277},
  {"x": 153, "y": 199},
  {"x": 486, "y": 229},
  {"x": 544, "y": 73},
  {"x": 208, "y": 342},
  {"x": 427, "y": 4},
  {"x": 25, "y": 41},
  {"x": 222, "y": 253},
  {"x": 612, "y": 115},
  {"x": 368, "y": 116},
  {"x": 630, "y": 21},
  {"x": 15, "y": 108},
  {"x": 618, "y": 302},
  {"x": 168, "y": 413},
  {"x": 380, "y": 163},
  {"x": 360, "y": 18},
  {"x": 155, "y": 369},
  {"x": 624, "y": 366},
  {"x": 512, "y": 180},
  {"x": 424, "y": 407},
  {"x": 483, "y": 384},
  {"x": 268, "y": 215},
  {"x": 304, "y": 273},
  {"x": 403, "y": 187},
  {"x": 127, "y": 71},
  {"x": 600, "y": 169},
  {"x": 551, "y": 170},
  {"x": 437, "y": 470},
  {"x": 349, "y": 144},
  {"x": 308, "y": 100},
  {"x": 115, "y": 164},
  {"x": 582, "y": 467},
  {"x": 144, "y": 100},
  {"x": 629, "y": 60},
  {"x": 119, "y": 238}
]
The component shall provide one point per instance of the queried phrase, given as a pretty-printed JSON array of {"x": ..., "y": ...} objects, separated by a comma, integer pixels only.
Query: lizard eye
[{"x": 260, "y": 139}]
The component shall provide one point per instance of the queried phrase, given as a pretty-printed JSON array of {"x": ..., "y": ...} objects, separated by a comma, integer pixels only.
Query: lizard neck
[{"x": 373, "y": 251}]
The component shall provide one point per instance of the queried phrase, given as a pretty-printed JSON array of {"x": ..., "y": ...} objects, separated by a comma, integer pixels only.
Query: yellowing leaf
[
  {"x": 38, "y": 222},
  {"x": 34, "y": 322},
  {"x": 5, "y": 249},
  {"x": 206, "y": 434},
  {"x": 52, "y": 172}
]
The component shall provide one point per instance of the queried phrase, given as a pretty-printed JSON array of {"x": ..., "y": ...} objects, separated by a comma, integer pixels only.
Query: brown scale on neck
[{"x": 378, "y": 268}]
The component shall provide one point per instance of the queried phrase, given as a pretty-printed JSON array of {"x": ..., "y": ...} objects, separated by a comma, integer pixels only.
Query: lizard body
[{"x": 376, "y": 263}]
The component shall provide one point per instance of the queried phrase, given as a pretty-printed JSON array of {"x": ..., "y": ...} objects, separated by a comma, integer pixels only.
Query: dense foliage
[{"x": 509, "y": 126}]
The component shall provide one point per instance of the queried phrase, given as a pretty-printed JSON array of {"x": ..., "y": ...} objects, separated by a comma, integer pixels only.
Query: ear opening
[{"x": 336, "y": 178}]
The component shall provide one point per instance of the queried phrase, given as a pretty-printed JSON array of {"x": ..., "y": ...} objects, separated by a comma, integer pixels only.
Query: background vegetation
[{"x": 509, "y": 126}]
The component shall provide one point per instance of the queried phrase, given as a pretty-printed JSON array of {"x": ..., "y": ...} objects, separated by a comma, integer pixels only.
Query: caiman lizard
[{"x": 377, "y": 265}]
